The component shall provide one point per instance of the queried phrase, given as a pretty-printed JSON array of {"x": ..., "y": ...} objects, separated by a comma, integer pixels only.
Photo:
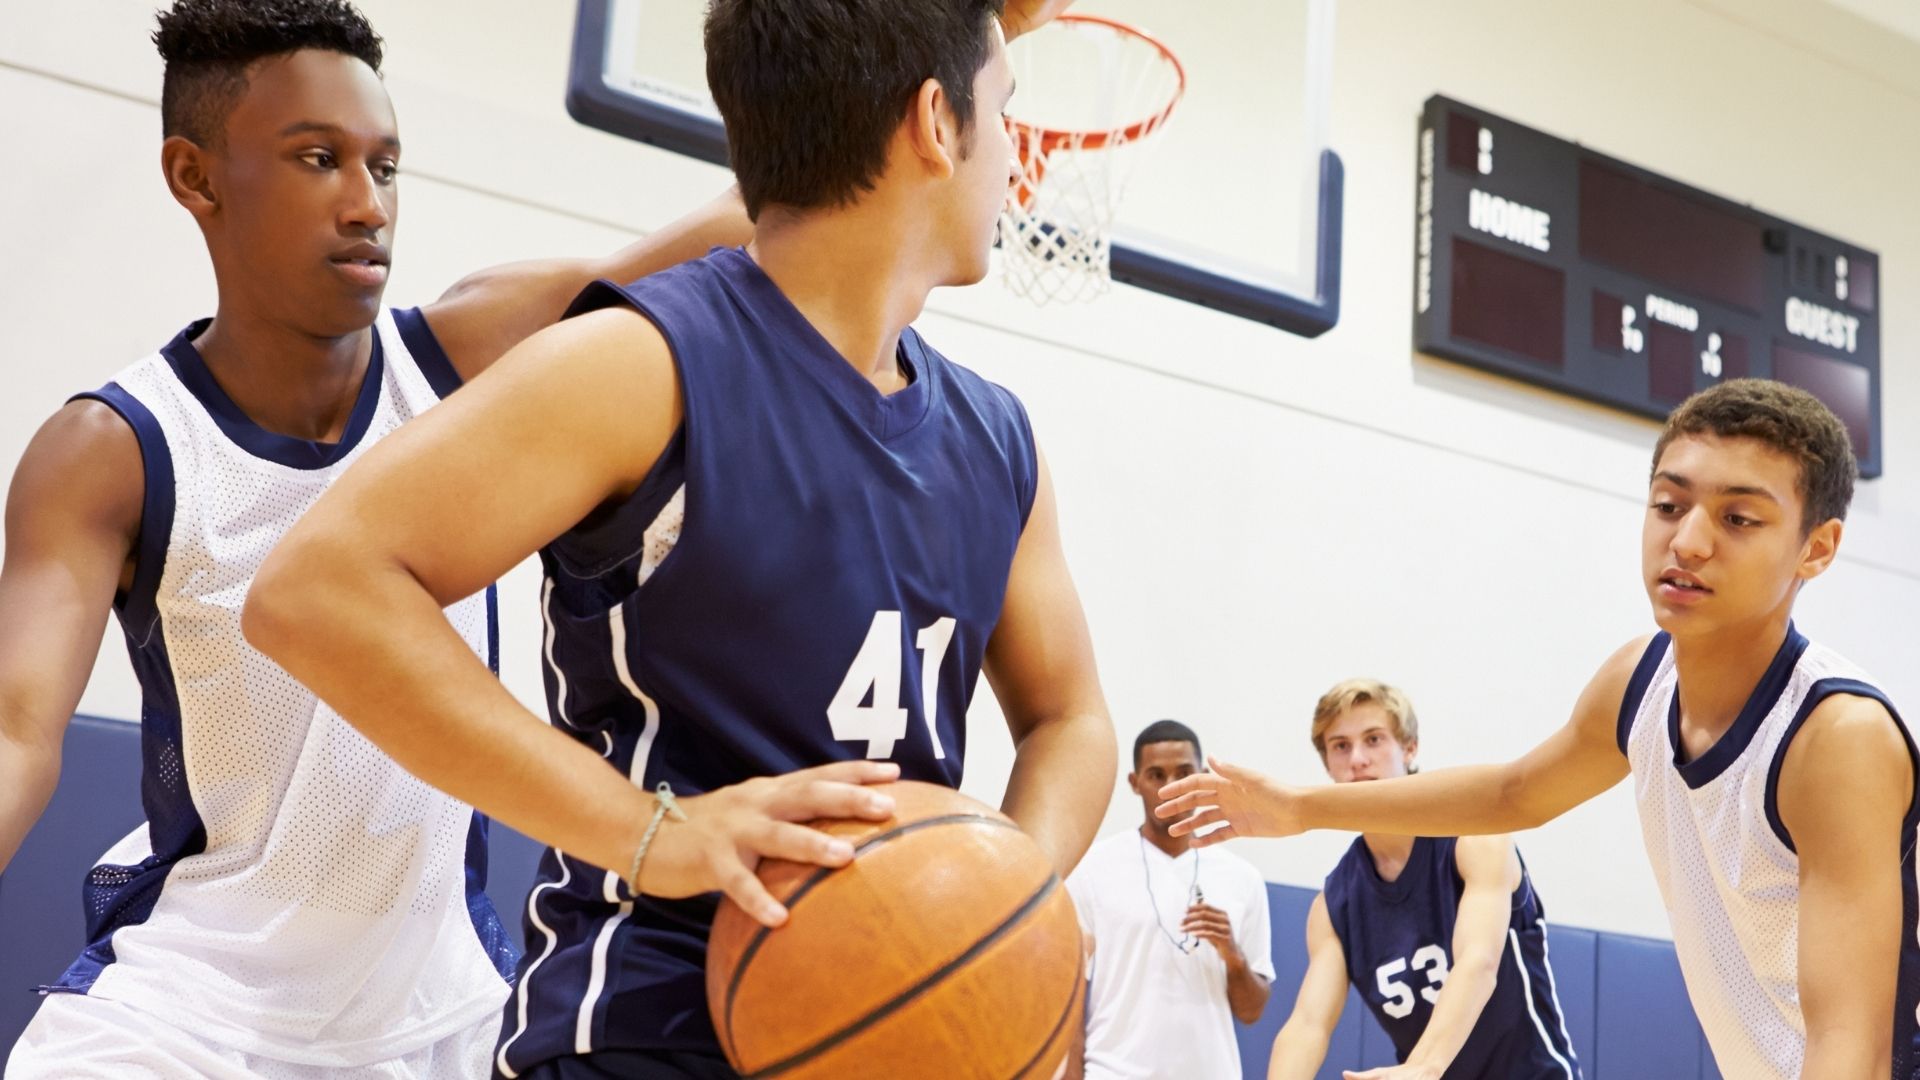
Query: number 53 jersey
[
  {"x": 1398, "y": 938},
  {"x": 810, "y": 573}
]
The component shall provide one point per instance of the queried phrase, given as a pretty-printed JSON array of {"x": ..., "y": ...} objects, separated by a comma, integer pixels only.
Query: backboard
[{"x": 1236, "y": 206}]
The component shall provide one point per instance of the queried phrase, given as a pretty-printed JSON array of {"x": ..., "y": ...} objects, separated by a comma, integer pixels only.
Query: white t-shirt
[{"x": 1156, "y": 1012}]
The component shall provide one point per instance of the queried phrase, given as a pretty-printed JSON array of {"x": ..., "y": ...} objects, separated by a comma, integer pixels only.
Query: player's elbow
[
  {"x": 1480, "y": 970},
  {"x": 1520, "y": 808},
  {"x": 1300, "y": 1039},
  {"x": 284, "y": 606}
]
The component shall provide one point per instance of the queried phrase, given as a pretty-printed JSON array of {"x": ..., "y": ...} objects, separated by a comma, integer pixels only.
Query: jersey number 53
[{"x": 1430, "y": 959}]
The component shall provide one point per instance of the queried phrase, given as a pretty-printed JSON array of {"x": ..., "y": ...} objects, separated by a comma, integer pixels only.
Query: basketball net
[{"x": 1091, "y": 90}]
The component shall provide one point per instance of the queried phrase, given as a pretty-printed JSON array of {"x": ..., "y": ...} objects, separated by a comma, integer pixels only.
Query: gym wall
[{"x": 1250, "y": 516}]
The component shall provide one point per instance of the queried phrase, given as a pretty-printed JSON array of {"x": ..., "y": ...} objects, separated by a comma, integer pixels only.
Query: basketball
[{"x": 948, "y": 945}]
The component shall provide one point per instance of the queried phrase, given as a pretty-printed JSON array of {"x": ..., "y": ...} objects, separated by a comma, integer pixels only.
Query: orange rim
[{"x": 1046, "y": 140}]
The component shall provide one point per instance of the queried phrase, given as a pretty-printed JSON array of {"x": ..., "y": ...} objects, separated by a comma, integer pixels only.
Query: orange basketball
[{"x": 948, "y": 947}]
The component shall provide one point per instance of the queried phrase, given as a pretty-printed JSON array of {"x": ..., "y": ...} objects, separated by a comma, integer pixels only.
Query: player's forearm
[
  {"x": 1061, "y": 784},
  {"x": 1471, "y": 800},
  {"x": 1298, "y": 1052},
  {"x": 1247, "y": 991},
  {"x": 372, "y": 643},
  {"x": 1465, "y": 996},
  {"x": 29, "y": 771}
]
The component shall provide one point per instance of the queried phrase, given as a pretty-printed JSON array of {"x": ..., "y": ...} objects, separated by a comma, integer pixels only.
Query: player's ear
[
  {"x": 930, "y": 131},
  {"x": 1823, "y": 543},
  {"x": 184, "y": 163}
]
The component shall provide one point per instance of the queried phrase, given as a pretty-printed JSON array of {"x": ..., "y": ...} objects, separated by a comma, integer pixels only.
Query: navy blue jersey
[
  {"x": 809, "y": 574},
  {"x": 1398, "y": 937}
]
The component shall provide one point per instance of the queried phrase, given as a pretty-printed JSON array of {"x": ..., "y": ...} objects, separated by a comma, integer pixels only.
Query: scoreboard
[{"x": 1539, "y": 259}]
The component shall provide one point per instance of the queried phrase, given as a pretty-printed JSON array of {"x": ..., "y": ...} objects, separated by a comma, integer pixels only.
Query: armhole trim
[
  {"x": 1637, "y": 687},
  {"x": 428, "y": 354},
  {"x": 138, "y": 607},
  {"x": 1819, "y": 692}
]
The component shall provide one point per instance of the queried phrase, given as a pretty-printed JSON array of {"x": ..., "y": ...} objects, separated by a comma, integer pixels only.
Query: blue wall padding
[
  {"x": 1644, "y": 1022},
  {"x": 1625, "y": 1005},
  {"x": 1288, "y": 906},
  {"x": 512, "y": 862}
]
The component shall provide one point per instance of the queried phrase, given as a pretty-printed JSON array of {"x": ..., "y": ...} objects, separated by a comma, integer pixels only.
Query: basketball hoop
[{"x": 1088, "y": 81}]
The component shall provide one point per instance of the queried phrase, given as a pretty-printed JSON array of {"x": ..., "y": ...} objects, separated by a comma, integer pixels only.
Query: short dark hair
[
  {"x": 812, "y": 91},
  {"x": 1785, "y": 418},
  {"x": 1166, "y": 731},
  {"x": 207, "y": 46}
]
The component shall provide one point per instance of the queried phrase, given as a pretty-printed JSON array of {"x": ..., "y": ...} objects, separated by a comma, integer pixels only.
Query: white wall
[{"x": 1250, "y": 516}]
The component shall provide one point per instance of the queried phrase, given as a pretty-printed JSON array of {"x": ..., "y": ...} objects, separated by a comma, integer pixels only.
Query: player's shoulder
[
  {"x": 83, "y": 463},
  {"x": 967, "y": 382},
  {"x": 1846, "y": 758},
  {"x": 1853, "y": 716}
]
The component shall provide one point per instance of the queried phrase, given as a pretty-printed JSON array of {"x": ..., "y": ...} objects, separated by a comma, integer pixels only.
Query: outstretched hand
[
  {"x": 1246, "y": 802},
  {"x": 727, "y": 832},
  {"x": 1023, "y": 16}
]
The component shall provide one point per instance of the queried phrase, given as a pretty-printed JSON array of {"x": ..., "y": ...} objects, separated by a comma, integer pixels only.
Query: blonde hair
[{"x": 1336, "y": 702}]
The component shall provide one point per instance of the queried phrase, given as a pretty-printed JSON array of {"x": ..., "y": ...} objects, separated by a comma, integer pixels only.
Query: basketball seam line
[
  {"x": 1058, "y": 1026},
  {"x": 760, "y": 933},
  {"x": 906, "y": 997}
]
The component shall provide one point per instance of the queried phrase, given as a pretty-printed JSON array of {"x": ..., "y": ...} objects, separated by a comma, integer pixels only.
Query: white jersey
[
  {"x": 294, "y": 893},
  {"x": 1726, "y": 864},
  {"x": 1157, "y": 1006}
]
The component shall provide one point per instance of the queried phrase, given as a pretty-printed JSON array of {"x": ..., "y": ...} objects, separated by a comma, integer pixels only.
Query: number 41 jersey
[
  {"x": 810, "y": 573},
  {"x": 1398, "y": 937}
]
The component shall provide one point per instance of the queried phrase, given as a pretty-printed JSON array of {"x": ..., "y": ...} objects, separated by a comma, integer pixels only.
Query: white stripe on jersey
[
  {"x": 596, "y": 982},
  {"x": 526, "y": 977},
  {"x": 1553, "y": 991},
  {"x": 1526, "y": 994},
  {"x": 559, "y": 676}
]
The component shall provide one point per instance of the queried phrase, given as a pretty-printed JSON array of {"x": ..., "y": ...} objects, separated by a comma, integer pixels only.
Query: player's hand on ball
[
  {"x": 1248, "y": 803},
  {"x": 728, "y": 832}
]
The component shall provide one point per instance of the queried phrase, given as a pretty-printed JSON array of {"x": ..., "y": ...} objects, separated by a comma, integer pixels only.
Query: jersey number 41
[{"x": 875, "y": 676}]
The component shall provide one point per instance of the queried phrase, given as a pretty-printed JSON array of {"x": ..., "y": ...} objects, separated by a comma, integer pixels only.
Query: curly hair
[
  {"x": 1784, "y": 418},
  {"x": 207, "y": 46}
]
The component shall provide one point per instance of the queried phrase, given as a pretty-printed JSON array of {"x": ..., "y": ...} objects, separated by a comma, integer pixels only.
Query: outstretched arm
[
  {"x": 72, "y": 514},
  {"x": 1040, "y": 665},
  {"x": 1575, "y": 763},
  {"x": 1301, "y": 1047},
  {"x": 1490, "y": 868},
  {"x": 1845, "y": 788},
  {"x": 488, "y": 312},
  {"x": 351, "y": 603}
]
